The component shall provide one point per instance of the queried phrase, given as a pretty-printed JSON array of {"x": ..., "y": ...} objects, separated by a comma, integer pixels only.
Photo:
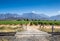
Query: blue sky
[{"x": 48, "y": 7}]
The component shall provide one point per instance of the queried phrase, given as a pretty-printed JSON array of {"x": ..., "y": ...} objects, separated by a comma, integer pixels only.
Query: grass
[
  {"x": 13, "y": 22},
  {"x": 10, "y": 29},
  {"x": 2, "y": 28},
  {"x": 50, "y": 30}
]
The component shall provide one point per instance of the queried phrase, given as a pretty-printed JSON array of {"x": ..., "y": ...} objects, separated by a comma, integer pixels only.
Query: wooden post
[{"x": 52, "y": 29}]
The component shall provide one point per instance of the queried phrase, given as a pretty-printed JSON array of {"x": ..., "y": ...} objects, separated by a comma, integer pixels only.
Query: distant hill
[
  {"x": 57, "y": 17},
  {"x": 9, "y": 16},
  {"x": 34, "y": 16}
]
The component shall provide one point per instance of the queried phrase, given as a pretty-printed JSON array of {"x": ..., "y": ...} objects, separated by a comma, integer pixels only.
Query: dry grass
[
  {"x": 50, "y": 29},
  {"x": 15, "y": 28},
  {"x": 10, "y": 28}
]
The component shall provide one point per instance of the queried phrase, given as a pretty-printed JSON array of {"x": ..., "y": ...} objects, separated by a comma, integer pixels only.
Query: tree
[
  {"x": 27, "y": 19},
  {"x": 18, "y": 19}
]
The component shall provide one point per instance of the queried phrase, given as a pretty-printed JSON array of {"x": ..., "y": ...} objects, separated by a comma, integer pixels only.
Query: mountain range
[{"x": 9, "y": 16}]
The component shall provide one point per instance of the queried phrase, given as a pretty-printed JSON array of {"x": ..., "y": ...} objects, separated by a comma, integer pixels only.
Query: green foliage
[
  {"x": 35, "y": 22},
  {"x": 18, "y": 20},
  {"x": 13, "y": 22},
  {"x": 31, "y": 23}
]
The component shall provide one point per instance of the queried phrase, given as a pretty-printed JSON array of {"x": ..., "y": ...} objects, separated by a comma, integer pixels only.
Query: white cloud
[
  {"x": 33, "y": 11},
  {"x": 37, "y": 12},
  {"x": 58, "y": 11}
]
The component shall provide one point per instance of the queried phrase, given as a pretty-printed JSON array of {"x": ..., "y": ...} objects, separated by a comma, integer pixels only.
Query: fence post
[{"x": 52, "y": 29}]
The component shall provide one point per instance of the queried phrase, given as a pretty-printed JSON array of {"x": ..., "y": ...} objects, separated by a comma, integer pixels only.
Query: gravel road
[{"x": 32, "y": 34}]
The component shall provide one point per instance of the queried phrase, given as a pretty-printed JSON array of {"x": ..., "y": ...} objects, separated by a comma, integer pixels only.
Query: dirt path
[{"x": 32, "y": 34}]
